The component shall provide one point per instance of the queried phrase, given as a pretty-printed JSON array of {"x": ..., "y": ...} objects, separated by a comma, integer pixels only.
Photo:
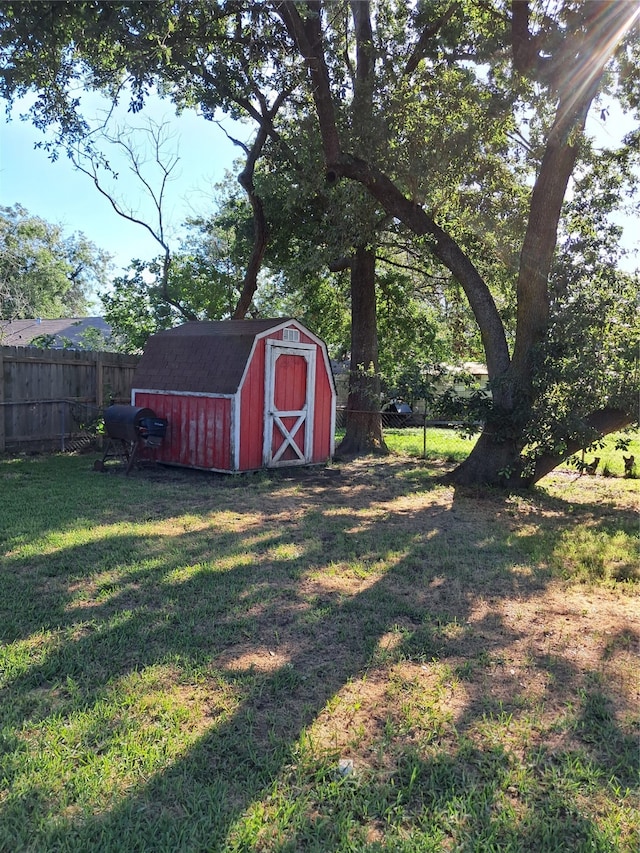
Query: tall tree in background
[
  {"x": 44, "y": 273},
  {"x": 201, "y": 281}
]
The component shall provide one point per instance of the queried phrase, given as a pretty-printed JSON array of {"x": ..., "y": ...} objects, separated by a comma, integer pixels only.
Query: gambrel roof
[{"x": 207, "y": 357}]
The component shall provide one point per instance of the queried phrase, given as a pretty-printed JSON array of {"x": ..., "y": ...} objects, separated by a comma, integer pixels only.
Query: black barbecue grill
[{"x": 131, "y": 431}]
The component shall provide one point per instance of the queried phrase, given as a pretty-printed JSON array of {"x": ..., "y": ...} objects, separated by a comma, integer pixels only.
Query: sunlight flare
[{"x": 612, "y": 24}]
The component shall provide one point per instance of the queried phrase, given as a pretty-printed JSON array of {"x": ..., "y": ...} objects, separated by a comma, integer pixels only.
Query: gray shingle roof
[
  {"x": 202, "y": 357},
  {"x": 20, "y": 333}
]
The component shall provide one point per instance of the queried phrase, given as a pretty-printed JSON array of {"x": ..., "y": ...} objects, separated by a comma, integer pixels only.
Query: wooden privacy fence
[{"x": 49, "y": 398}]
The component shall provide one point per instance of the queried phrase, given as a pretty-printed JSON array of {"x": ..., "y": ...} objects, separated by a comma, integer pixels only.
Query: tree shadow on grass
[{"x": 274, "y": 622}]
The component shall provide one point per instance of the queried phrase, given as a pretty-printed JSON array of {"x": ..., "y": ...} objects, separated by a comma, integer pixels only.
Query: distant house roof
[
  {"x": 200, "y": 357},
  {"x": 474, "y": 368},
  {"x": 20, "y": 333}
]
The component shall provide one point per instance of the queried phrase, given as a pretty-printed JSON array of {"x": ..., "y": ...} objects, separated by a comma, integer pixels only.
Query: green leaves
[
  {"x": 202, "y": 284},
  {"x": 44, "y": 273}
]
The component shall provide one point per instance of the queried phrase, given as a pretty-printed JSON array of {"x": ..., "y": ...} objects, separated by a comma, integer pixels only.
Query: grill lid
[{"x": 125, "y": 422}]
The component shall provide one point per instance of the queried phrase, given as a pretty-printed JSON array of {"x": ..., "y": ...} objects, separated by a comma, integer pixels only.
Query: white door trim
[{"x": 273, "y": 417}]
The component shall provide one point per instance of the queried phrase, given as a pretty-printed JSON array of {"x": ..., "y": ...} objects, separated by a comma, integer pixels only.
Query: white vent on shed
[{"x": 291, "y": 335}]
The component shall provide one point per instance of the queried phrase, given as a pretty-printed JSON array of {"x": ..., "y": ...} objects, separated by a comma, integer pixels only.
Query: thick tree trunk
[
  {"x": 260, "y": 229},
  {"x": 492, "y": 462},
  {"x": 495, "y": 461},
  {"x": 364, "y": 422},
  {"x": 265, "y": 119}
]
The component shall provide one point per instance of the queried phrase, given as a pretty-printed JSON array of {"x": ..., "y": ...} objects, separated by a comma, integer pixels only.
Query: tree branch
[
  {"x": 307, "y": 35},
  {"x": 603, "y": 422},
  {"x": 443, "y": 247},
  {"x": 260, "y": 229},
  {"x": 409, "y": 268},
  {"x": 524, "y": 50},
  {"x": 591, "y": 48},
  {"x": 157, "y": 197},
  {"x": 426, "y": 35}
]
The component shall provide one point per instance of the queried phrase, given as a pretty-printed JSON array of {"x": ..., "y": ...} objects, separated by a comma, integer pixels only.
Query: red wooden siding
[
  {"x": 290, "y": 383},
  {"x": 323, "y": 425},
  {"x": 252, "y": 412},
  {"x": 304, "y": 339},
  {"x": 199, "y": 431}
]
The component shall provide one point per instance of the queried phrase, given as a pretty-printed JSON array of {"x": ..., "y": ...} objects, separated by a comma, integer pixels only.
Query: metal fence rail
[
  {"x": 390, "y": 420},
  {"x": 57, "y": 424}
]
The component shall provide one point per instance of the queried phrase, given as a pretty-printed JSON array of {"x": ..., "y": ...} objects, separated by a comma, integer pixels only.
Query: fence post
[
  {"x": 99, "y": 379},
  {"x": 99, "y": 389},
  {"x": 2, "y": 408}
]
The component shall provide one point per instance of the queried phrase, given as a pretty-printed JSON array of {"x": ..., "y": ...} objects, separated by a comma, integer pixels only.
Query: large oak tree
[{"x": 546, "y": 64}]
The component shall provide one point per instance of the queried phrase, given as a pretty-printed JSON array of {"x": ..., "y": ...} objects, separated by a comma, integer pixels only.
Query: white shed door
[{"x": 290, "y": 372}]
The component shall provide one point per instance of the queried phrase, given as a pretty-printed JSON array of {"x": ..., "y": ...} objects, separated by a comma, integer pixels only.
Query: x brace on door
[{"x": 288, "y": 435}]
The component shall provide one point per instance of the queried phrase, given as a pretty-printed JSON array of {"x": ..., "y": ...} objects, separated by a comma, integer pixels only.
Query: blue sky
[{"x": 58, "y": 193}]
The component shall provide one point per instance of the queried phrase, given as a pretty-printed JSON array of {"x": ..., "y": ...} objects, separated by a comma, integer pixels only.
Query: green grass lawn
[
  {"x": 438, "y": 443},
  {"x": 451, "y": 446},
  {"x": 354, "y": 658}
]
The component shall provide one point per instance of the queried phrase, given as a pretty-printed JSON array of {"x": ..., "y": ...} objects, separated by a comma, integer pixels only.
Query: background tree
[
  {"x": 135, "y": 308},
  {"x": 44, "y": 273},
  {"x": 202, "y": 279},
  {"x": 151, "y": 157},
  {"x": 91, "y": 339}
]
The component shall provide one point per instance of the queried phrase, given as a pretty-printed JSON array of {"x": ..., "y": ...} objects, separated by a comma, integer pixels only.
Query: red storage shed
[{"x": 239, "y": 395}]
